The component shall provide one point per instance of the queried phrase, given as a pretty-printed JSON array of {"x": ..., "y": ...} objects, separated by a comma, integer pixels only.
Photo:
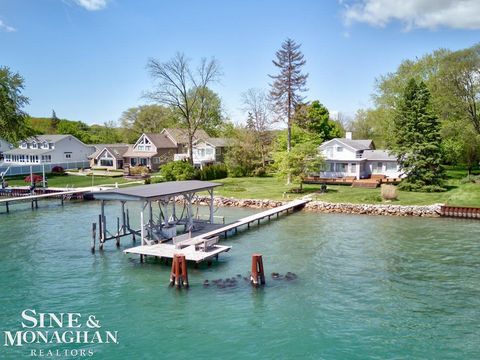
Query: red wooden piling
[
  {"x": 258, "y": 274},
  {"x": 179, "y": 273}
]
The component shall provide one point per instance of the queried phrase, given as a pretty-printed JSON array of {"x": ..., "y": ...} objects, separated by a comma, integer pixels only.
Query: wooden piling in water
[
  {"x": 94, "y": 235},
  {"x": 179, "y": 273},
  {"x": 100, "y": 232},
  {"x": 258, "y": 275},
  {"x": 118, "y": 232}
]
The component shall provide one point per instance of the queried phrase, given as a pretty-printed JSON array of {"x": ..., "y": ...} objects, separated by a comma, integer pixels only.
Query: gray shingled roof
[
  {"x": 53, "y": 138},
  {"x": 19, "y": 151},
  {"x": 378, "y": 155},
  {"x": 117, "y": 150},
  {"x": 155, "y": 191},
  {"x": 161, "y": 141},
  {"x": 181, "y": 135},
  {"x": 357, "y": 144}
]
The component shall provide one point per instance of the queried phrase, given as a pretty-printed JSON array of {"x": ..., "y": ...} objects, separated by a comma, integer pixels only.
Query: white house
[
  {"x": 207, "y": 151},
  {"x": 49, "y": 149},
  {"x": 358, "y": 158},
  {"x": 4, "y": 146}
]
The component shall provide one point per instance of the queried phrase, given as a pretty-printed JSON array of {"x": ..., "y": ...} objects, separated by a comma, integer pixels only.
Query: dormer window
[
  {"x": 45, "y": 145},
  {"x": 51, "y": 146},
  {"x": 34, "y": 145},
  {"x": 23, "y": 145}
]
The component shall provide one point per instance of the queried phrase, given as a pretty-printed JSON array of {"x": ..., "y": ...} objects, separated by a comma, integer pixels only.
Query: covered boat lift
[{"x": 167, "y": 196}]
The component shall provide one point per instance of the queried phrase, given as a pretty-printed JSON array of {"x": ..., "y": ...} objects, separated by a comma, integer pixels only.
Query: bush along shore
[{"x": 327, "y": 207}]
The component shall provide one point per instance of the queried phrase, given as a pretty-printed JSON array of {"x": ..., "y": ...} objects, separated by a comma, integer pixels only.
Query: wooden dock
[
  {"x": 62, "y": 195},
  {"x": 189, "y": 246}
]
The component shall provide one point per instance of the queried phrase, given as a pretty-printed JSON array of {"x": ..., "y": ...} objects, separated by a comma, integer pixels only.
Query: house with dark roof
[
  {"x": 108, "y": 156},
  {"x": 357, "y": 158},
  {"x": 206, "y": 150},
  {"x": 63, "y": 150},
  {"x": 150, "y": 150}
]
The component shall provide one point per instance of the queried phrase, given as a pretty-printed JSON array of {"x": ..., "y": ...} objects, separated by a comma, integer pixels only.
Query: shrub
[
  {"x": 58, "y": 170},
  {"x": 212, "y": 172},
  {"x": 406, "y": 186},
  {"x": 389, "y": 192},
  {"x": 471, "y": 179},
  {"x": 260, "y": 172},
  {"x": 147, "y": 181},
  {"x": 177, "y": 170},
  {"x": 138, "y": 170},
  {"x": 36, "y": 179}
]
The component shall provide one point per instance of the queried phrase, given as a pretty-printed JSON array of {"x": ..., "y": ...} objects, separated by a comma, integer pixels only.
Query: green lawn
[{"x": 273, "y": 188}]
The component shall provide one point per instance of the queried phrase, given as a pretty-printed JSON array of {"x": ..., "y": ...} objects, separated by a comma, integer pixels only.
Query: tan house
[
  {"x": 180, "y": 138},
  {"x": 150, "y": 150},
  {"x": 108, "y": 156}
]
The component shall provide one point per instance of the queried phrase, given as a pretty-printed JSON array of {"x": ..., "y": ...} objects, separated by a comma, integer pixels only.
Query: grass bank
[{"x": 272, "y": 188}]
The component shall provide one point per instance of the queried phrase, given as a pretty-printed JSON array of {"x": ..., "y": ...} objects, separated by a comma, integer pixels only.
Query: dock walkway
[
  {"x": 168, "y": 250},
  {"x": 34, "y": 198}
]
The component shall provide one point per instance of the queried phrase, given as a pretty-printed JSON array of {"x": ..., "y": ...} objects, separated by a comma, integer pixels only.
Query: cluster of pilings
[
  {"x": 179, "y": 273},
  {"x": 123, "y": 229}
]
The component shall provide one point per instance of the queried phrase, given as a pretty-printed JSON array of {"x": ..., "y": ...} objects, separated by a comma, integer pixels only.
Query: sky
[{"x": 86, "y": 59}]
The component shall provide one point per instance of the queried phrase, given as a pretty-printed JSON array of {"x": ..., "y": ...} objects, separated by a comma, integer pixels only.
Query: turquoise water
[{"x": 367, "y": 288}]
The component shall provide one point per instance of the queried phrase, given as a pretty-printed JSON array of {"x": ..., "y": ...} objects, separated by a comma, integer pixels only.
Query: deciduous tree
[
  {"x": 13, "y": 125},
  {"x": 185, "y": 90}
]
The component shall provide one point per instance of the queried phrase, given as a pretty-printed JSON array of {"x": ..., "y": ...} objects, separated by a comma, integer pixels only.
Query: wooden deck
[{"x": 168, "y": 250}]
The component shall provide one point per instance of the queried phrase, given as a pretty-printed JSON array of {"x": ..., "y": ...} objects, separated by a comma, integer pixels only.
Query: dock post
[
  {"x": 104, "y": 222},
  {"x": 258, "y": 276},
  {"x": 211, "y": 205},
  {"x": 118, "y": 232},
  {"x": 32, "y": 204},
  {"x": 100, "y": 232},
  {"x": 123, "y": 219},
  {"x": 6, "y": 205},
  {"x": 179, "y": 273},
  {"x": 94, "y": 234}
]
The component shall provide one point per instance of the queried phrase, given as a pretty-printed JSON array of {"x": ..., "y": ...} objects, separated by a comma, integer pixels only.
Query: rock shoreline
[{"x": 327, "y": 207}]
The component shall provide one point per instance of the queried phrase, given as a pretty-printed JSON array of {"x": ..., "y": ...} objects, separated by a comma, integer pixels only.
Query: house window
[
  {"x": 391, "y": 166},
  {"x": 331, "y": 167},
  {"x": 156, "y": 160},
  {"x": 45, "y": 145},
  {"x": 342, "y": 167},
  {"x": 68, "y": 155},
  {"x": 46, "y": 158},
  {"x": 51, "y": 146},
  {"x": 209, "y": 151},
  {"x": 106, "y": 162},
  {"x": 339, "y": 149},
  {"x": 34, "y": 145},
  {"x": 23, "y": 145},
  {"x": 353, "y": 168},
  {"x": 377, "y": 167},
  {"x": 8, "y": 158},
  {"x": 141, "y": 147},
  {"x": 148, "y": 148}
]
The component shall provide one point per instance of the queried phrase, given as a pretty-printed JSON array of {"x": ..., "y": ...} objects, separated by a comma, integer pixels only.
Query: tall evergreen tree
[
  {"x": 55, "y": 120},
  {"x": 418, "y": 141},
  {"x": 289, "y": 83}
]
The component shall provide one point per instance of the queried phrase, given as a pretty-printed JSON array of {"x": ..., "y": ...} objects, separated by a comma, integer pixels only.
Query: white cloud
[
  {"x": 430, "y": 14},
  {"x": 92, "y": 5},
  {"x": 5, "y": 27}
]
